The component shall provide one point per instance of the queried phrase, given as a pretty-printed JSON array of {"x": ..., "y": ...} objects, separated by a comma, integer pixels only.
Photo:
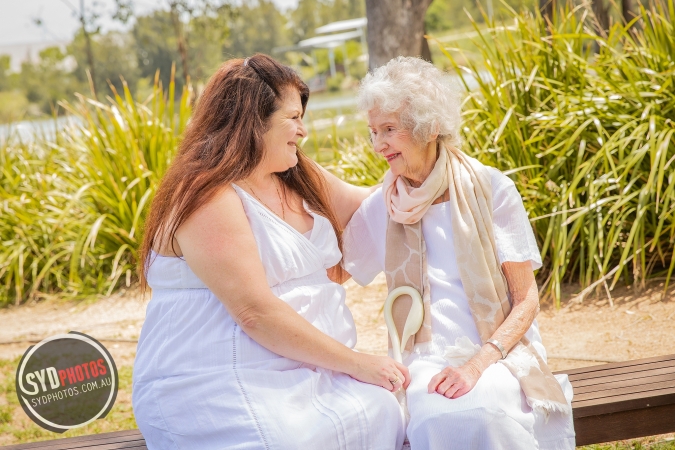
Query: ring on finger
[{"x": 393, "y": 382}]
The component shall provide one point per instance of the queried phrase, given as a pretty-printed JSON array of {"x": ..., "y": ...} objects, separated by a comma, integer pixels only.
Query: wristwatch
[{"x": 499, "y": 346}]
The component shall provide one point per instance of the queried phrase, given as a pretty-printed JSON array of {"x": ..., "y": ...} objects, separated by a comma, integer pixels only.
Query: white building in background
[{"x": 343, "y": 30}]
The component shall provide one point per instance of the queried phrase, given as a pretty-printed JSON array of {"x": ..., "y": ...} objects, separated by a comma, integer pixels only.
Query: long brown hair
[{"x": 223, "y": 143}]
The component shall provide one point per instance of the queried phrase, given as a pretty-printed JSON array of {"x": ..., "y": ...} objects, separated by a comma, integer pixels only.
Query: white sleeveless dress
[{"x": 201, "y": 383}]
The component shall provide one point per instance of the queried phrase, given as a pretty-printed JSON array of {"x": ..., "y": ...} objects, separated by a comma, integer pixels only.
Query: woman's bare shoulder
[{"x": 224, "y": 208}]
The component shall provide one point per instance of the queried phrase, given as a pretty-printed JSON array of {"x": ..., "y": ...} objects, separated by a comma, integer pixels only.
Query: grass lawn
[
  {"x": 16, "y": 427},
  {"x": 646, "y": 443}
]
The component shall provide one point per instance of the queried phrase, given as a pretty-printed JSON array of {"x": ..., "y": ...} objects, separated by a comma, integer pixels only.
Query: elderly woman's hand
[{"x": 453, "y": 382}]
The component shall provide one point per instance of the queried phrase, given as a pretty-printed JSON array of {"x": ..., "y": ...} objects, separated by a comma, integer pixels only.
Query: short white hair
[{"x": 427, "y": 100}]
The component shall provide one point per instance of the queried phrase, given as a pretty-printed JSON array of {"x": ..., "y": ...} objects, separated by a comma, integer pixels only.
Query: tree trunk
[
  {"x": 90, "y": 54},
  {"x": 602, "y": 15},
  {"x": 180, "y": 38},
  {"x": 395, "y": 28},
  {"x": 627, "y": 10},
  {"x": 90, "y": 62},
  {"x": 425, "y": 53},
  {"x": 546, "y": 7}
]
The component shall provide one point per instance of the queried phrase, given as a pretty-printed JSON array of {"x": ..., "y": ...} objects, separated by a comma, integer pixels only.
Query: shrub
[
  {"x": 334, "y": 84},
  {"x": 588, "y": 138},
  {"x": 73, "y": 205},
  {"x": 13, "y": 106}
]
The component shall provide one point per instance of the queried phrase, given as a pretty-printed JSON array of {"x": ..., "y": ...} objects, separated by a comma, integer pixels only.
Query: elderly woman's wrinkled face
[
  {"x": 285, "y": 130},
  {"x": 406, "y": 156}
]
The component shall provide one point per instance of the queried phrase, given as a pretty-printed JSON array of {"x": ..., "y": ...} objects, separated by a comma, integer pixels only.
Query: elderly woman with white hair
[{"x": 457, "y": 231}]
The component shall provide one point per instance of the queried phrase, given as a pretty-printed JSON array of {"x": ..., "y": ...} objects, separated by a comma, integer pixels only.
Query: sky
[{"x": 59, "y": 22}]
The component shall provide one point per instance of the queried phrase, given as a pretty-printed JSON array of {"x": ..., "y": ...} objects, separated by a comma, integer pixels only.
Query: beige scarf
[{"x": 484, "y": 283}]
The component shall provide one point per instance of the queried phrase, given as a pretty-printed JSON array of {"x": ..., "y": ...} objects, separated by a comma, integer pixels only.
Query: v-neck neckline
[{"x": 315, "y": 216}]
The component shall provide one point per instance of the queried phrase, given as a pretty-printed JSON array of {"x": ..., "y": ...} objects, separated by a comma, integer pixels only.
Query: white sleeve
[
  {"x": 513, "y": 231},
  {"x": 363, "y": 241}
]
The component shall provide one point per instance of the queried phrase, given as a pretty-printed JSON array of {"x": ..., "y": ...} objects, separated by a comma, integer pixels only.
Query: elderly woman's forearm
[
  {"x": 516, "y": 325},
  {"x": 508, "y": 334},
  {"x": 525, "y": 300}
]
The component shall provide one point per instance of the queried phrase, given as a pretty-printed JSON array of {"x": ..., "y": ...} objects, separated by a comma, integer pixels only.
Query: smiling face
[
  {"x": 406, "y": 156},
  {"x": 285, "y": 131}
]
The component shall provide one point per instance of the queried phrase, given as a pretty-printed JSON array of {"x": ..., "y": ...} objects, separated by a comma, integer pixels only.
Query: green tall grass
[
  {"x": 73, "y": 205},
  {"x": 589, "y": 138},
  {"x": 355, "y": 162}
]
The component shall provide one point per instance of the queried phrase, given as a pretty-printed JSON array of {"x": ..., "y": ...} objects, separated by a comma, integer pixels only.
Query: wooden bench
[
  {"x": 624, "y": 400},
  {"x": 611, "y": 402},
  {"x": 129, "y": 439}
]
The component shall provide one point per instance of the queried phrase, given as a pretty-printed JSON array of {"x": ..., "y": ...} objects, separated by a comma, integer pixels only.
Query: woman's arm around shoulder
[
  {"x": 218, "y": 245},
  {"x": 346, "y": 198}
]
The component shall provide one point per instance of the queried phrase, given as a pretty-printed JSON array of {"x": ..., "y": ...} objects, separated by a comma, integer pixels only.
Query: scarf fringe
[{"x": 547, "y": 407}]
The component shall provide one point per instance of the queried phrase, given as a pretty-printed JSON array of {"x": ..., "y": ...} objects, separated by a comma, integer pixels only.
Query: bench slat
[
  {"x": 97, "y": 445},
  {"x": 624, "y": 376},
  {"x": 124, "y": 439},
  {"x": 620, "y": 367},
  {"x": 135, "y": 445},
  {"x": 641, "y": 400},
  {"x": 656, "y": 392},
  {"x": 600, "y": 374},
  {"x": 618, "y": 387}
]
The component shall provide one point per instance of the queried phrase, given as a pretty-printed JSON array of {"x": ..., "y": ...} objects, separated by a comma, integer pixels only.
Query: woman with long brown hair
[{"x": 247, "y": 342}]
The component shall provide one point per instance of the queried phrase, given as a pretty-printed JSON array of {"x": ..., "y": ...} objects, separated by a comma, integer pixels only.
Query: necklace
[{"x": 283, "y": 210}]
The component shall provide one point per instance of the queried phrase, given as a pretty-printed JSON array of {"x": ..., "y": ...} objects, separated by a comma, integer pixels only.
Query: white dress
[
  {"x": 494, "y": 414},
  {"x": 201, "y": 383}
]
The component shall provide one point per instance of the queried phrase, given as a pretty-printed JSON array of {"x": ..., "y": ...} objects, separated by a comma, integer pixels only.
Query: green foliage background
[
  {"x": 72, "y": 208},
  {"x": 588, "y": 137}
]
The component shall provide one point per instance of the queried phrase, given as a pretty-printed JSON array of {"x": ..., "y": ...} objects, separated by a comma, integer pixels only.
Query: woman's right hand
[{"x": 380, "y": 370}]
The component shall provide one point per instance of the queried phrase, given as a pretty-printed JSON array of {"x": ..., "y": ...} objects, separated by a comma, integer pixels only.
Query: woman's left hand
[{"x": 453, "y": 382}]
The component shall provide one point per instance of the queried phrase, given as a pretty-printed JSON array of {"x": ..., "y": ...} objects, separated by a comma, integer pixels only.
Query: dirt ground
[
  {"x": 639, "y": 325},
  {"x": 116, "y": 321}
]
